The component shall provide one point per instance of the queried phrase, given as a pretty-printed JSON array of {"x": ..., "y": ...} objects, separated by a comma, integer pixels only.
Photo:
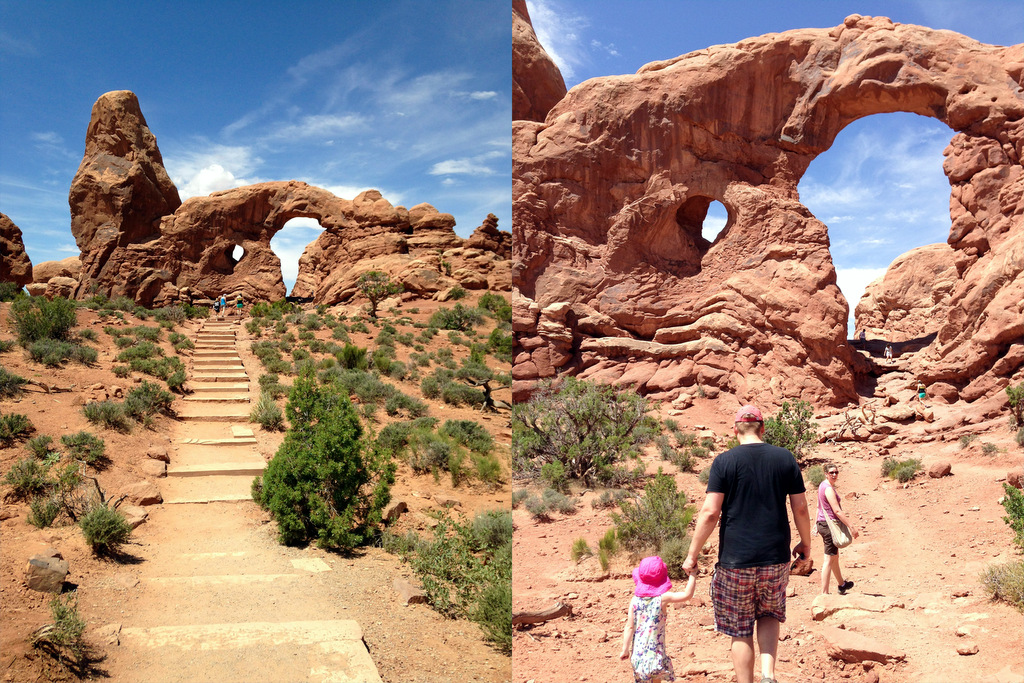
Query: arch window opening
[
  {"x": 881, "y": 191},
  {"x": 236, "y": 255},
  {"x": 289, "y": 243},
  {"x": 714, "y": 221}
]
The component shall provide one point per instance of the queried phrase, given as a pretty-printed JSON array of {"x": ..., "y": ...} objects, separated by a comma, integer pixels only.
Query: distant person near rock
[
  {"x": 829, "y": 504},
  {"x": 223, "y": 306},
  {"x": 748, "y": 489},
  {"x": 888, "y": 352},
  {"x": 239, "y": 305}
]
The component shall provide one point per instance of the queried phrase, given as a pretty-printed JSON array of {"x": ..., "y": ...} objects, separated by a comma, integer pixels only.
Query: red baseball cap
[{"x": 748, "y": 413}]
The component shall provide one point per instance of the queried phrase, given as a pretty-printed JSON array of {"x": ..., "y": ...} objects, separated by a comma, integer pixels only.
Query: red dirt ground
[{"x": 923, "y": 545}]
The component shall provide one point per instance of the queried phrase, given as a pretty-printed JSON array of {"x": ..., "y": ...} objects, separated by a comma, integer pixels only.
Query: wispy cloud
[
  {"x": 474, "y": 165},
  {"x": 318, "y": 126},
  {"x": 559, "y": 31},
  {"x": 609, "y": 48},
  {"x": 203, "y": 168},
  {"x": 483, "y": 95}
]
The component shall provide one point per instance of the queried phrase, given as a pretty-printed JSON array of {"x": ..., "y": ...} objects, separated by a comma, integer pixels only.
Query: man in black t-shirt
[{"x": 747, "y": 490}]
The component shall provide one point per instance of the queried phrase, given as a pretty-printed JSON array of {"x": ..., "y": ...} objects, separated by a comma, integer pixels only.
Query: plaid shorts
[{"x": 742, "y": 596}]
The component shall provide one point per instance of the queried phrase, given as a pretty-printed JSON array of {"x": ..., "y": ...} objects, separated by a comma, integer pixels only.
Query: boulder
[
  {"x": 611, "y": 189},
  {"x": 153, "y": 468},
  {"x": 70, "y": 267},
  {"x": 937, "y": 470},
  {"x": 408, "y": 593},
  {"x": 15, "y": 265},
  {"x": 1015, "y": 478},
  {"x": 133, "y": 514},
  {"x": 63, "y": 287},
  {"x": 46, "y": 572},
  {"x": 143, "y": 493},
  {"x": 395, "y": 510},
  {"x": 851, "y": 647},
  {"x": 158, "y": 453}
]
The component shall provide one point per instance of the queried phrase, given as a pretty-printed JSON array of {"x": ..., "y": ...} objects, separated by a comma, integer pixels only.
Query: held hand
[
  {"x": 690, "y": 566},
  {"x": 801, "y": 550}
]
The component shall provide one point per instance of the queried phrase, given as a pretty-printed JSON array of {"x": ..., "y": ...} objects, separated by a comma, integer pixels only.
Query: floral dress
[{"x": 649, "y": 658}]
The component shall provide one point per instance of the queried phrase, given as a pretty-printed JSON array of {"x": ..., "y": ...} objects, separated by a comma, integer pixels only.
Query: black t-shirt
[{"x": 757, "y": 480}]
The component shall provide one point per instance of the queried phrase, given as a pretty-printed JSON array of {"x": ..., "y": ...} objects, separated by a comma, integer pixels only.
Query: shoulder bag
[{"x": 841, "y": 535}]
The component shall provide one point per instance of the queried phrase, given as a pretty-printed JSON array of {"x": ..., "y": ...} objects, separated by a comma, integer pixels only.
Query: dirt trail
[
  {"x": 219, "y": 599},
  {"x": 922, "y": 547}
]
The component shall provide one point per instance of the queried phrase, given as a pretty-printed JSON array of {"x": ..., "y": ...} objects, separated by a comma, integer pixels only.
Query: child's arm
[
  {"x": 627, "y": 634},
  {"x": 681, "y": 596}
]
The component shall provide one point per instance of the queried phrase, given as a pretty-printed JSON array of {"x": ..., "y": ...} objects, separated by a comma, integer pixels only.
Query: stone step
[
  {"x": 215, "y": 434},
  {"x": 258, "y": 652},
  {"x": 227, "y": 469},
  {"x": 220, "y": 443},
  {"x": 199, "y": 387},
  {"x": 227, "y": 360},
  {"x": 211, "y": 376},
  {"x": 206, "y": 343},
  {"x": 213, "y": 489},
  {"x": 232, "y": 397},
  {"x": 215, "y": 353},
  {"x": 220, "y": 366},
  {"x": 215, "y": 412}
]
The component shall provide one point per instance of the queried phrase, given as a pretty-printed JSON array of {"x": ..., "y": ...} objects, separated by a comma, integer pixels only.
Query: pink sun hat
[
  {"x": 651, "y": 578},
  {"x": 749, "y": 413}
]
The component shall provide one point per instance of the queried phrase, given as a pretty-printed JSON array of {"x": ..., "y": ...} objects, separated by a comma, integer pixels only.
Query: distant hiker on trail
[
  {"x": 216, "y": 307},
  {"x": 223, "y": 306},
  {"x": 888, "y": 352},
  {"x": 921, "y": 391},
  {"x": 829, "y": 503},
  {"x": 238, "y": 305},
  {"x": 643, "y": 638},
  {"x": 748, "y": 489},
  {"x": 863, "y": 335}
]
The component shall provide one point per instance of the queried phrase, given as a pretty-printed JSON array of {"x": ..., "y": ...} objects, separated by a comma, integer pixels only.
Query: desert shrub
[
  {"x": 673, "y": 552},
  {"x": 989, "y": 449},
  {"x": 1015, "y": 401},
  {"x": 608, "y": 499},
  {"x": 492, "y": 529},
  {"x": 84, "y": 446},
  {"x": 553, "y": 474},
  {"x": 270, "y": 384},
  {"x": 63, "y": 639},
  {"x": 460, "y": 318},
  {"x": 173, "y": 314},
  {"x": 109, "y": 414},
  {"x": 580, "y": 549},
  {"x": 144, "y": 333},
  {"x": 35, "y": 318},
  {"x": 661, "y": 513},
  {"x": 27, "y": 478},
  {"x": 901, "y": 470},
  {"x": 398, "y": 402},
  {"x": 7, "y": 344},
  {"x": 519, "y": 496},
  {"x": 124, "y": 342},
  {"x": 89, "y": 335},
  {"x": 555, "y": 500},
  {"x": 180, "y": 342},
  {"x": 1013, "y": 503},
  {"x": 105, "y": 529},
  {"x": 966, "y": 440},
  {"x": 121, "y": 371},
  {"x": 10, "y": 384},
  {"x": 488, "y": 468},
  {"x": 459, "y": 582},
  {"x": 322, "y": 483},
  {"x": 176, "y": 381},
  {"x": 686, "y": 459},
  {"x": 14, "y": 427},
  {"x": 609, "y": 543},
  {"x": 40, "y": 446},
  {"x": 43, "y": 511},
  {"x": 468, "y": 433},
  {"x": 429, "y": 451},
  {"x": 456, "y": 394},
  {"x": 147, "y": 399},
  {"x": 1019, "y": 438},
  {"x": 457, "y": 292},
  {"x": 499, "y": 343},
  {"x": 792, "y": 428},
  {"x": 495, "y": 305},
  {"x": 267, "y": 413},
  {"x": 537, "y": 508},
  {"x": 704, "y": 476},
  {"x": 377, "y": 286},
  {"x": 352, "y": 357},
  {"x": 815, "y": 475},
  {"x": 1005, "y": 581},
  {"x": 50, "y": 352},
  {"x": 141, "y": 351},
  {"x": 9, "y": 291},
  {"x": 588, "y": 428}
]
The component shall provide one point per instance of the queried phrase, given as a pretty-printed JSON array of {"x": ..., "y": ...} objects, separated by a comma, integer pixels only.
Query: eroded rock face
[
  {"x": 69, "y": 267},
  {"x": 912, "y": 298},
  {"x": 15, "y": 265},
  {"x": 138, "y": 240},
  {"x": 537, "y": 83},
  {"x": 610, "y": 194},
  {"x": 121, "y": 190}
]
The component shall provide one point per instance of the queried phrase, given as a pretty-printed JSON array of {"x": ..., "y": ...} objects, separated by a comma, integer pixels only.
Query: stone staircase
[{"x": 221, "y": 600}]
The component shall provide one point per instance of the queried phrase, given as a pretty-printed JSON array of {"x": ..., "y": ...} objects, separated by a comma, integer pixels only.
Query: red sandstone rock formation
[
  {"x": 138, "y": 240},
  {"x": 15, "y": 265},
  {"x": 537, "y": 83},
  {"x": 489, "y": 238},
  {"x": 912, "y": 299},
  {"x": 121, "y": 189},
  {"x": 69, "y": 267},
  {"x": 610, "y": 193}
]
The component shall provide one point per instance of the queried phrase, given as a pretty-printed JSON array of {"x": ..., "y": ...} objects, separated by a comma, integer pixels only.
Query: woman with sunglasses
[{"x": 829, "y": 504}]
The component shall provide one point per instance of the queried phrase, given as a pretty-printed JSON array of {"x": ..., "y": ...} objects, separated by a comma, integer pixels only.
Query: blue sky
[
  {"x": 880, "y": 189},
  {"x": 411, "y": 98}
]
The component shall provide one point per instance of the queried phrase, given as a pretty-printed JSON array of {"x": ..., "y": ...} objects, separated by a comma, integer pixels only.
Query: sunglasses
[{"x": 833, "y": 472}]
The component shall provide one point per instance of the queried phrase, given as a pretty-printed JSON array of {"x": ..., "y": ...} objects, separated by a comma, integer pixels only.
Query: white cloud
[
  {"x": 853, "y": 281},
  {"x": 212, "y": 178},
  {"x": 559, "y": 33},
  {"x": 483, "y": 95},
  {"x": 317, "y": 126},
  {"x": 609, "y": 48},
  {"x": 204, "y": 168},
  {"x": 453, "y": 166}
]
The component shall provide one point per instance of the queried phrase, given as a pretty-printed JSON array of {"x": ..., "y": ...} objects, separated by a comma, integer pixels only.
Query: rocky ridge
[{"x": 610, "y": 192}]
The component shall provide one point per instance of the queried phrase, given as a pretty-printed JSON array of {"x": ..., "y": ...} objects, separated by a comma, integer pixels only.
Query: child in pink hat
[{"x": 644, "y": 634}]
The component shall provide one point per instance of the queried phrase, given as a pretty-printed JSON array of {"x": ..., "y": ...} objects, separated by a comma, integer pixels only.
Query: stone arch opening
[
  {"x": 289, "y": 243},
  {"x": 225, "y": 260},
  {"x": 678, "y": 243},
  {"x": 883, "y": 195},
  {"x": 237, "y": 253},
  {"x": 715, "y": 221}
]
